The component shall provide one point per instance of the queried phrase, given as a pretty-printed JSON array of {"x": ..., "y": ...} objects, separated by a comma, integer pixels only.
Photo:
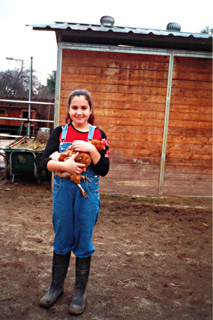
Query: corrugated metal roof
[
  {"x": 92, "y": 33},
  {"x": 116, "y": 29}
]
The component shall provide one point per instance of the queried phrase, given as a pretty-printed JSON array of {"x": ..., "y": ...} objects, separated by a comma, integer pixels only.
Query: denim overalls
[{"x": 75, "y": 216}]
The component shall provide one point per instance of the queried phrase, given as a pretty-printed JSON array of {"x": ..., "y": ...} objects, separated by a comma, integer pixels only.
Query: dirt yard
[{"x": 152, "y": 259}]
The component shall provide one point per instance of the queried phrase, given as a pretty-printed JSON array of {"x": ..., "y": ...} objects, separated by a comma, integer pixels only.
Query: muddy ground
[{"x": 152, "y": 259}]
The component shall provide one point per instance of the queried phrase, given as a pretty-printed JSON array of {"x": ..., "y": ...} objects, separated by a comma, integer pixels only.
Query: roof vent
[
  {"x": 107, "y": 21},
  {"x": 173, "y": 26}
]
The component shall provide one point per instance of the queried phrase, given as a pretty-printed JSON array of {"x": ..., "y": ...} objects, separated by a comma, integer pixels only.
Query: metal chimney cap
[
  {"x": 173, "y": 26},
  {"x": 107, "y": 21}
]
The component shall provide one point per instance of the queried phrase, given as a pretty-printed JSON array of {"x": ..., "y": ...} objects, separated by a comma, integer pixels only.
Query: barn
[
  {"x": 16, "y": 110},
  {"x": 13, "y": 112},
  {"x": 152, "y": 95}
]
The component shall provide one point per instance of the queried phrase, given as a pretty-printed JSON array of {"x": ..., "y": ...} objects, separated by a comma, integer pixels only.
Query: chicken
[{"x": 82, "y": 157}]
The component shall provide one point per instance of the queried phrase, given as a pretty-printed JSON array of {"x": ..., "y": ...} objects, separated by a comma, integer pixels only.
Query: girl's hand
[
  {"x": 83, "y": 146},
  {"x": 71, "y": 166},
  {"x": 67, "y": 166}
]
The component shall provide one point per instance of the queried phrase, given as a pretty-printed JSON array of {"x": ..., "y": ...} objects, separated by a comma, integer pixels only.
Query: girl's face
[{"x": 79, "y": 112}]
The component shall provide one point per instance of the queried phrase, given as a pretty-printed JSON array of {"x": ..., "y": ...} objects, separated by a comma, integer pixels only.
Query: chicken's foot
[
  {"x": 83, "y": 191},
  {"x": 83, "y": 178}
]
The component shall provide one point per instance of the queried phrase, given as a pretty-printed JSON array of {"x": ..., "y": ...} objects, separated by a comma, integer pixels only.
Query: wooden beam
[
  {"x": 58, "y": 86},
  {"x": 166, "y": 124}
]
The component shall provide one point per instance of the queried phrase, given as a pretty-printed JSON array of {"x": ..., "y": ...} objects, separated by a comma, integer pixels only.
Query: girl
[{"x": 74, "y": 216}]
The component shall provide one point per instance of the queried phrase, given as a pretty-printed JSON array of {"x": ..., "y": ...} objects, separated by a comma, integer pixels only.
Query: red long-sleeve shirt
[{"x": 101, "y": 168}]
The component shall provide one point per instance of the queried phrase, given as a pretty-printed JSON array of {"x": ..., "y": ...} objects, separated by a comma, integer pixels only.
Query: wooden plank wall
[
  {"x": 12, "y": 112},
  {"x": 189, "y": 148},
  {"x": 129, "y": 96}
]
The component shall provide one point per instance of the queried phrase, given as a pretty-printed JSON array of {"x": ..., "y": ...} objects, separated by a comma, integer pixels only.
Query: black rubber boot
[
  {"x": 78, "y": 303},
  {"x": 59, "y": 270}
]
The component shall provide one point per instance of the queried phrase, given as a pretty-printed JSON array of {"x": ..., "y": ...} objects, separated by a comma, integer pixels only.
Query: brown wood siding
[
  {"x": 14, "y": 113},
  {"x": 129, "y": 96},
  {"x": 189, "y": 148}
]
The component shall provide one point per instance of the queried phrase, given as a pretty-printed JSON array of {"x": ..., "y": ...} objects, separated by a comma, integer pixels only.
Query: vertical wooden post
[
  {"x": 166, "y": 123},
  {"x": 58, "y": 85},
  {"x": 57, "y": 93}
]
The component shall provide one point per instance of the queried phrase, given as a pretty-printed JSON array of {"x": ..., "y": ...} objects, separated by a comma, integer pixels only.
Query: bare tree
[
  {"x": 16, "y": 82},
  {"x": 207, "y": 30}
]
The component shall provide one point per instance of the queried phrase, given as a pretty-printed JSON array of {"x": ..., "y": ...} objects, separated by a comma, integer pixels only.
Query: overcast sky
[{"x": 21, "y": 42}]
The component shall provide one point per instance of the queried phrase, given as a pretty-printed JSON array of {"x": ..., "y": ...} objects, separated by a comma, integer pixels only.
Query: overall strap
[
  {"x": 64, "y": 131},
  {"x": 91, "y": 132}
]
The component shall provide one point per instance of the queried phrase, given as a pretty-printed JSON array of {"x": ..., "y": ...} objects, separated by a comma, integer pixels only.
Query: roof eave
[{"x": 92, "y": 34}]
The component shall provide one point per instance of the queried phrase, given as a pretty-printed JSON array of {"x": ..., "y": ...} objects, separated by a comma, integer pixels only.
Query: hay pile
[{"x": 27, "y": 143}]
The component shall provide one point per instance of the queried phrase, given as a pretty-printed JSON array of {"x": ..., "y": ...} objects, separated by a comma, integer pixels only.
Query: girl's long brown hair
[{"x": 86, "y": 94}]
